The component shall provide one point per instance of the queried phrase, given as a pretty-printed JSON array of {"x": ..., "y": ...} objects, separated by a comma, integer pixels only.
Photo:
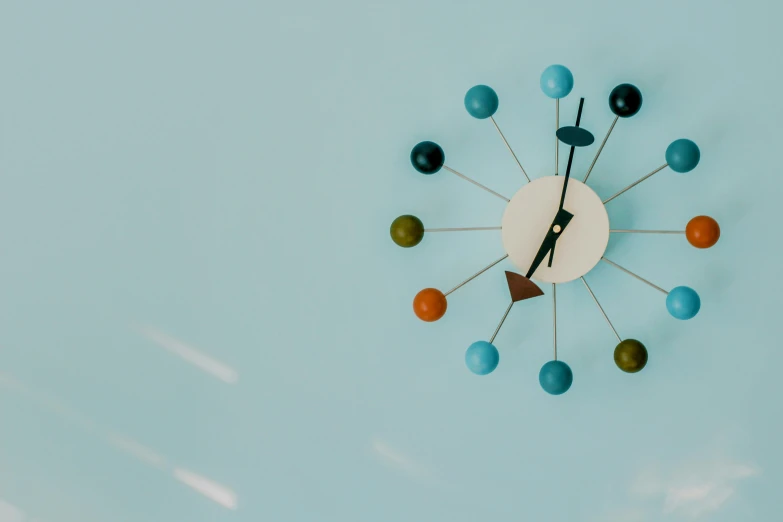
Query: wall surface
[{"x": 203, "y": 319}]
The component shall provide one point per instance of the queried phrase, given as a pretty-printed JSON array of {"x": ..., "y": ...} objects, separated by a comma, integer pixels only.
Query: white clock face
[{"x": 529, "y": 215}]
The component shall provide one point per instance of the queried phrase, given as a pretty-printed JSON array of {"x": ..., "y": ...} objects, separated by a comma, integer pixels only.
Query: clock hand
[
  {"x": 568, "y": 174},
  {"x": 551, "y": 256},
  {"x": 562, "y": 218},
  {"x": 571, "y": 155},
  {"x": 562, "y": 196}
]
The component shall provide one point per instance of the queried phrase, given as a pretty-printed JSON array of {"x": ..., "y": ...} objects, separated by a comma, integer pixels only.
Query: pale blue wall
[{"x": 190, "y": 179}]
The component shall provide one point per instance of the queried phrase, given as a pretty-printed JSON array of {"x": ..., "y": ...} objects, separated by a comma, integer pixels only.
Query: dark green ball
[
  {"x": 625, "y": 100},
  {"x": 427, "y": 157},
  {"x": 630, "y": 356},
  {"x": 407, "y": 231}
]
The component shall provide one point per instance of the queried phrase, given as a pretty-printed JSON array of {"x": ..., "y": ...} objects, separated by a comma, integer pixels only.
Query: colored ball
[
  {"x": 407, "y": 231},
  {"x": 625, "y": 100},
  {"x": 429, "y": 304},
  {"x": 683, "y": 303},
  {"x": 482, "y": 357},
  {"x": 481, "y": 101},
  {"x": 557, "y": 81},
  {"x": 682, "y": 155},
  {"x": 555, "y": 377},
  {"x": 702, "y": 232},
  {"x": 630, "y": 356},
  {"x": 427, "y": 157}
]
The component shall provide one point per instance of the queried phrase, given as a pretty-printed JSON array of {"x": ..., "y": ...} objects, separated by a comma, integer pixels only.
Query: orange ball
[
  {"x": 429, "y": 304},
  {"x": 702, "y": 232}
]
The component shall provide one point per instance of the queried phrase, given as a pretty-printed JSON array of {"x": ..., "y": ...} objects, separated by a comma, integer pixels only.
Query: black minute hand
[
  {"x": 571, "y": 154},
  {"x": 568, "y": 173}
]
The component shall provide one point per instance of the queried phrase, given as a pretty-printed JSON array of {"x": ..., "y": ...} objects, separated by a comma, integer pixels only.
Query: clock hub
[{"x": 527, "y": 219}]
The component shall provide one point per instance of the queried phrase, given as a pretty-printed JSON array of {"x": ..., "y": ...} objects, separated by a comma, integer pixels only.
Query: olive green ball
[
  {"x": 407, "y": 231},
  {"x": 630, "y": 356}
]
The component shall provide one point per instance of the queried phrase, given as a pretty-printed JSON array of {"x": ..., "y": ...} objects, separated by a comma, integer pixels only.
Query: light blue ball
[
  {"x": 682, "y": 155},
  {"x": 557, "y": 81},
  {"x": 683, "y": 303},
  {"x": 481, "y": 101},
  {"x": 482, "y": 357},
  {"x": 555, "y": 377}
]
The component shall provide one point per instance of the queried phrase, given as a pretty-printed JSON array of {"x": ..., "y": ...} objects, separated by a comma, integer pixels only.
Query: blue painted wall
[{"x": 202, "y": 317}]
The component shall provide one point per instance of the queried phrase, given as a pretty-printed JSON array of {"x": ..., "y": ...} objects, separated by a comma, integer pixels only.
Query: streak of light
[
  {"x": 394, "y": 458},
  {"x": 10, "y": 513},
  {"x": 209, "y": 488},
  {"x": 136, "y": 450},
  {"x": 191, "y": 355}
]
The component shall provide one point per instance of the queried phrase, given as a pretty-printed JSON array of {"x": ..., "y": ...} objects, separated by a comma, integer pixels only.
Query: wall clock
[{"x": 555, "y": 229}]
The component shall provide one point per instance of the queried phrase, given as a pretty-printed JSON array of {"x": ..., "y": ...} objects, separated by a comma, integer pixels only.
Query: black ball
[
  {"x": 427, "y": 157},
  {"x": 625, "y": 100}
]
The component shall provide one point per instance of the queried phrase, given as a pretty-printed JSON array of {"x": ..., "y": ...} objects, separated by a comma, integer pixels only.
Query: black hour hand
[{"x": 561, "y": 220}]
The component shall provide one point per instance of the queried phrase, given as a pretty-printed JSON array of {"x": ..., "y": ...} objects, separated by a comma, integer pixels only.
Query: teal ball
[
  {"x": 557, "y": 81},
  {"x": 482, "y": 357},
  {"x": 481, "y": 102},
  {"x": 555, "y": 377},
  {"x": 682, "y": 155},
  {"x": 683, "y": 303}
]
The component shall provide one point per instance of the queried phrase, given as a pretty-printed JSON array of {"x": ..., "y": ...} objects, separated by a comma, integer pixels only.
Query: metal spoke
[
  {"x": 509, "y": 147},
  {"x": 501, "y": 323},
  {"x": 463, "y": 176},
  {"x": 640, "y": 278},
  {"x": 474, "y": 276},
  {"x": 632, "y": 185},
  {"x": 602, "y": 309},
  {"x": 600, "y": 149}
]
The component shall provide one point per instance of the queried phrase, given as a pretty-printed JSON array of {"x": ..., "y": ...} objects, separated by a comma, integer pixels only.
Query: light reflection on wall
[
  {"x": 214, "y": 491},
  {"x": 191, "y": 355},
  {"x": 10, "y": 513}
]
